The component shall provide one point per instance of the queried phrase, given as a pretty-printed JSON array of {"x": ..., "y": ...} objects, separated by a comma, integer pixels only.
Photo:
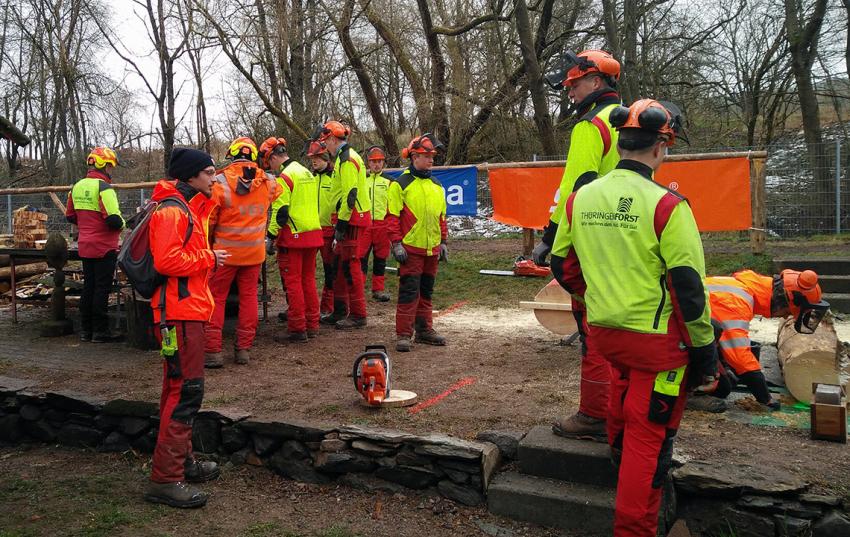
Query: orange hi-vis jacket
[
  {"x": 238, "y": 222},
  {"x": 187, "y": 295},
  {"x": 735, "y": 300}
]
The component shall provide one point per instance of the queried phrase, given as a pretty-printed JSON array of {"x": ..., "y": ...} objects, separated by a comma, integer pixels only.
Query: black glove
[
  {"x": 774, "y": 405},
  {"x": 399, "y": 253},
  {"x": 444, "y": 252},
  {"x": 703, "y": 365},
  {"x": 282, "y": 217},
  {"x": 340, "y": 229},
  {"x": 538, "y": 255}
]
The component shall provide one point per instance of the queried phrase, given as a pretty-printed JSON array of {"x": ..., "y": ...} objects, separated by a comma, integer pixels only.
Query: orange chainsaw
[{"x": 372, "y": 374}]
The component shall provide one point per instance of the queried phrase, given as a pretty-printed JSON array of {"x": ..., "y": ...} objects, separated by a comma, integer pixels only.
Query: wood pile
[
  {"x": 808, "y": 358},
  {"x": 7, "y": 241},
  {"x": 39, "y": 287},
  {"x": 30, "y": 227}
]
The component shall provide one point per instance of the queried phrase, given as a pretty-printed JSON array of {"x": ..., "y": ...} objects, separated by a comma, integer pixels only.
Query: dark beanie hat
[{"x": 187, "y": 162}]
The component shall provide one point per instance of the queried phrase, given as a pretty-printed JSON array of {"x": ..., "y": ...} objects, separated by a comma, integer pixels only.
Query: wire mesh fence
[{"x": 802, "y": 199}]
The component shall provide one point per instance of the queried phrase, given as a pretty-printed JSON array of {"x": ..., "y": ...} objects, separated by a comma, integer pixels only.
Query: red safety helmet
[
  {"x": 375, "y": 152},
  {"x": 270, "y": 147},
  {"x": 651, "y": 116},
  {"x": 317, "y": 148},
  {"x": 242, "y": 148},
  {"x": 100, "y": 156},
  {"x": 334, "y": 128},
  {"x": 574, "y": 66},
  {"x": 804, "y": 296},
  {"x": 427, "y": 144}
]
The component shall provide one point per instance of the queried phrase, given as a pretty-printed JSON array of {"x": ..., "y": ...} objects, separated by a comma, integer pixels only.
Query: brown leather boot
[
  {"x": 582, "y": 427},
  {"x": 380, "y": 296},
  {"x": 200, "y": 471},
  {"x": 429, "y": 337},
  {"x": 312, "y": 333},
  {"x": 402, "y": 344},
  {"x": 351, "y": 322},
  {"x": 177, "y": 494},
  {"x": 213, "y": 360},
  {"x": 242, "y": 356}
]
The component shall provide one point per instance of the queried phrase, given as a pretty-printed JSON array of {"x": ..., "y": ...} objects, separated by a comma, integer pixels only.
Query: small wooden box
[{"x": 829, "y": 421}]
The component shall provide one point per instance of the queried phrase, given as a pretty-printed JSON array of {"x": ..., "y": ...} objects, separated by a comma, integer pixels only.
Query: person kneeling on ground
[
  {"x": 735, "y": 300},
  {"x": 416, "y": 224},
  {"x": 186, "y": 303}
]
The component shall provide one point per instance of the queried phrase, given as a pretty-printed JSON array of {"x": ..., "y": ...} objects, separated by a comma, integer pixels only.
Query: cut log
[
  {"x": 22, "y": 271},
  {"x": 807, "y": 358},
  {"x": 553, "y": 310}
]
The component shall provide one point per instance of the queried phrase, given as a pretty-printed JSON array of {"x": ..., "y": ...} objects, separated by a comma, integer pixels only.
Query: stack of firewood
[{"x": 30, "y": 227}]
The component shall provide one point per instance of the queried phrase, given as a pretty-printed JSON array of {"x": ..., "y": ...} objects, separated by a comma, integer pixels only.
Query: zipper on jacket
[
  {"x": 425, "y": 220},
  {"x": 660, "y": 304}
]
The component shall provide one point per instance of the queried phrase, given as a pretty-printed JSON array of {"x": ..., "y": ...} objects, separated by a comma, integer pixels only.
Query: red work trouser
[
  {"x": 182, "y": 394},
  {"x": 348, "y": 285},
  {"x": 376, "y": 240},
  {"x": 595, "y": 376},
  {"x": 246, "y": 280},
  {"x": 415, "y": 288},
  {"x": 330, "y": 260},
  {"x": 300, "y": 276}
]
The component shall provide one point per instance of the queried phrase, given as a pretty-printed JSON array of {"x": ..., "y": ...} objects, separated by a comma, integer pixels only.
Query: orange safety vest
[
  {"x": 735, "y": 300},
  {"x": 239, "y": 222}
]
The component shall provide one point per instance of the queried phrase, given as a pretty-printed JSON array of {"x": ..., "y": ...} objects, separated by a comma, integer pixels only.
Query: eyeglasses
[{"x": 208, "y": 171}]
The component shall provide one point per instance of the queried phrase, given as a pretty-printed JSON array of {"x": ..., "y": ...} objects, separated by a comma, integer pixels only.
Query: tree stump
[{"x": 807, "y": 358}]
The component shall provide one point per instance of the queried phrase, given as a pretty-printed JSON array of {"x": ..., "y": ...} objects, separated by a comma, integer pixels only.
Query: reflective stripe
[
  {"x": 735, "y": 343},
  {"x": 735, "y": 323},
  {"x": 241, "y": 230},
  {"x": 239, "y": 244},
  {"x": 732, "y": 289},
  {"x": 223, "y": 180}
]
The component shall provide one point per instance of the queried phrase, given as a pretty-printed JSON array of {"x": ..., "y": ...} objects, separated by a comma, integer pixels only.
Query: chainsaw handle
[{"x": 382, "y": 348}]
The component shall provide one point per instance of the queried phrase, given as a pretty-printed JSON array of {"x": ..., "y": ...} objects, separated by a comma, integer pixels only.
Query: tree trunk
[{"x": 807, "y": 358}]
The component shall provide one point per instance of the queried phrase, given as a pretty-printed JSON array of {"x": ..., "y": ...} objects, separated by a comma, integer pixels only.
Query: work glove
[
  {"x": 282, "y": 216},
  {"x": 774, "y": 405},
  {"x": 703, "y": 366},
  {"x": 444, "y": 252},
  {"x": 399, "y": 253},
  {"x": 339, "y": 230},
  {"x": 539, "y": 254}
]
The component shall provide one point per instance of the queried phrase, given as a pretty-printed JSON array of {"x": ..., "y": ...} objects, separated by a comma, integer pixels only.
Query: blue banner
[{"x": 461, "y": 189}]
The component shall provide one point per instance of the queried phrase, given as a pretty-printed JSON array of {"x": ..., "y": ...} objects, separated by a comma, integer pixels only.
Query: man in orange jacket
[
  {"x": 186, "y": 303},
  {"x": 735, "y": 300},
  {"x": 242, "y": 196}
]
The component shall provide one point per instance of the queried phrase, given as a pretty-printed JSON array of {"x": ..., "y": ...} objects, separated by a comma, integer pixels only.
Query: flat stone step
[
  {"x": 830, "y": 283},
  {"x": 839, "y": 266},
  {"x": 838, "y": 301},
  {"x": 542, "y": 453},
  {"x": 585, "y": 509}
]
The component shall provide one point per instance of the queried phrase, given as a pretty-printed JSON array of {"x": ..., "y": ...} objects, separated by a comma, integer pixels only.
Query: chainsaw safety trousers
[
  {"x": 417, "y": 276},
  {"x": 300, "y": 275},
  {"x": 595, "y": 372},
  {"x": 376, "y": 241},
  {"x": 330, "y": 262},
  {"x": 349, "y": 174},
  {"x": 93, "y": 207},
  {"x": 417, "y": 212},
  {"x": 348, "y": 286},
  {"x": 182, "y": 394},
  {"x": 246, "y": 278},
  {"x": 238, "y": 220}
]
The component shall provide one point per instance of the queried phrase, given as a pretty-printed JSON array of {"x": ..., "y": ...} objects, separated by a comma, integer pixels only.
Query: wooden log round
[
  {"x": 807, "y": 358},
  {"x": 560, "y": 322},
  {"x": 22, "y": 271}
]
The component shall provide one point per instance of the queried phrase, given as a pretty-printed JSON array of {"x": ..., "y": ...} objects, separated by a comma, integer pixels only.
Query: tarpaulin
[
  {"x": 461, "y": 189},
  {"x": 718, "y": 191}
]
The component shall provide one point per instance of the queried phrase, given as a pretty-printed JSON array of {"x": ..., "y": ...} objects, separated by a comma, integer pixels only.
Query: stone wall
[{"x": 367, "y": 458}]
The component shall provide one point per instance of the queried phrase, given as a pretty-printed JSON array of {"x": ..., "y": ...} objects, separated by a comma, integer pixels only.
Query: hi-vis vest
[
  {"x": 300, "y": 192},
  {"x": 350, "y": 175},
  {"x": 328, "y": 198},
  {"x": 240, "y": 219},
  {"x": 378, "y": 190},
  {"x": 91, "y": 201}
]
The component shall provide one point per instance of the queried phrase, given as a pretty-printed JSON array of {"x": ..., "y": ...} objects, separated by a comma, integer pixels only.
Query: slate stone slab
[
  {"x": 290, "y": 430},
  {"x": 11, "y": 385},
  {"x": 820, "y": 500},
  {"x": 115, "y": 442},
  {"x": 369, "y": 483},
  {"x": 506, "y": 440},
  {"x": 133, "y": 426},
  {"x": 731, "y": 481},
  {"x": 371, "y": 448},
  {"x": 789, "y": 526},
  {"x": 389, "y": 436},
  {"x": 407, "y": 457},
  {"x": 264, "y": 445},
  {"x": 834, "y": 524},
  {"x": 444, "y": 446},
  {"x": 544, "y": 454},
  {"x": 146, "y": 442},
  {"x": 39, "y": 430},
  {"x": 779, "y": 506},
  {"x": 58, "y": 417},
  {"x": 713, "y": 516},
  {"x": 468, "y": 467},
  {"x": 72, "y": 434},
  {"x": 491, "y": 457},
  {"x": 10, "y": 428},
  {"x": 123, "y": 407},
  {"x": 73, "y": 402},
  {"x": 30, "y": 412},
  {"x": 233, "y": 438},
  {"x": 459, "y": 493},
  {"x": 224, "y": 415},
  {"x": 332, "y": 445},
  {"x": 292, "y": 449},
  {"x": 81, "y": 419},
  {"x": 206, "y": 436},
  {"x": 298, "y": 470},
  {"x": 457, "y": 476},
  {"x": 239, "y": 457},
  {"x": 343, "y": 463},
  {"x": 414, "y": 478}
]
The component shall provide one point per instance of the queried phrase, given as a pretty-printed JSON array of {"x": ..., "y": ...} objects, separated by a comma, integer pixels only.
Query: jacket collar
[
  {"x": 637, "y": 167},
  {"x": 94, "y": 173}
]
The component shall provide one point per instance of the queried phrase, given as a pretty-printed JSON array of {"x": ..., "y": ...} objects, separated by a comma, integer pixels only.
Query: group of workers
[{"x": 626, "y": 248}]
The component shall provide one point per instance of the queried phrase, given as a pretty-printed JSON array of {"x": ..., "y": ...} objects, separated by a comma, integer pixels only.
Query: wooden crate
[{"x": 829, "y": 419}]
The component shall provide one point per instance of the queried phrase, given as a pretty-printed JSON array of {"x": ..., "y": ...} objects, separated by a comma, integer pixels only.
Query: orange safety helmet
[
  {"x": 574, "y": 66},
  {"x": 804, "y": 298},
  {"x": 317, "y": 148},
  {"x": 651, "y": 116},
  {"x": 427, "y": 144},
  {"x": 375, "y": 152},
  {"x": 334, "y": 128},
  {"x": 100, "y": 156},
  {"x": 269, "y": 147},
  {"x": 242, "y": 148}
]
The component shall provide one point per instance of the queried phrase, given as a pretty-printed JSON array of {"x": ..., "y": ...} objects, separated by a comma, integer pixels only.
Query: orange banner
[{"x": 718, "y": 190}]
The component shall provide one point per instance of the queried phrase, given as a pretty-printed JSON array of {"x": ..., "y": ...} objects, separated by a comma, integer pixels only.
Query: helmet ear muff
[
  {"x": 653, "y": 119},
  {"x": 618, "y": 116}
]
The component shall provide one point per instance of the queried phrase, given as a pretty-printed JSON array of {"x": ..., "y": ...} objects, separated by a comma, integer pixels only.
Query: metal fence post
[
  {"x": 837, "y": 187},
  {"x": 9, "y": 212},
  {"x": 141, "y": 197}
]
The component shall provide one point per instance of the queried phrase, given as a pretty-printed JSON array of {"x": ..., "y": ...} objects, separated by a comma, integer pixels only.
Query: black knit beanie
[{"x": 186, "y": 163}]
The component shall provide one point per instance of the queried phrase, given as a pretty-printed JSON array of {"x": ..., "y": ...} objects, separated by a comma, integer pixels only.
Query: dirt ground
[{"x": 520, "y": 377}]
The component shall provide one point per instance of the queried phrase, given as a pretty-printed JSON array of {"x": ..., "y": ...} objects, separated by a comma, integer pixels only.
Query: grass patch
[
  {"x": 722, "y": 264},
  {"x": 274, "y": 529}
]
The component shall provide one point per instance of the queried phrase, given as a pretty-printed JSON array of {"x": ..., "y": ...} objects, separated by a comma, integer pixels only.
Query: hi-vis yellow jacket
[
  {"x": 350, "y": 174},
  {"x": 416, "y": 213},
  {"x": 301, "y": 198},
  {"x": 379, "y": 186}
]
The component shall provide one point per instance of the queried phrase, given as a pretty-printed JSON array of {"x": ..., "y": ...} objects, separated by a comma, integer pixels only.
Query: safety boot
[
  {"x": 312, "y": 333},
  {"x": 85, "y": 336},
  {"x": 351, "y": 322},
  {"x": 340, "y": 312},
  {"x": 213, "y": 360},
  {"x": 582, "y": 427},
  {"x": 177, "y": 494},
  {"x": 402, "y": 344},
  {"x": 429, "y": 337},
  {"x": 706, "y": 403},
  {"x": 380, "y": 296},
  {"x": 200, "y": 471},
  {"x": 106, "y": 337},
  {"x": 242, "y": 356},
  {"x": 297, "y": 337}
]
